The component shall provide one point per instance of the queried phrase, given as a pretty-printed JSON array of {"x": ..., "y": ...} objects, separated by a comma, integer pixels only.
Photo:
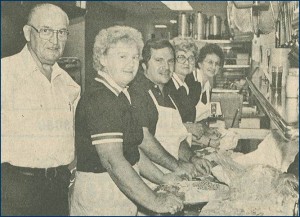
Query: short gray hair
[
  {"x": 45, "y": 6},
  {"x": 112, "y": 35}
]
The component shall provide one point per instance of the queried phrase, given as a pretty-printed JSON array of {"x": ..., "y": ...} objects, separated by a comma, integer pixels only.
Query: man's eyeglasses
[
  {"x": 47, "y": 33},
  {"x": 182, "y": 59}
]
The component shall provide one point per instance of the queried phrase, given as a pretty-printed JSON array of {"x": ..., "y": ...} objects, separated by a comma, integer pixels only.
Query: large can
[
  {"x": 182, "y": 25},
  {"x": 200, "y": 26},
  {"x": 215, "y": 26}
]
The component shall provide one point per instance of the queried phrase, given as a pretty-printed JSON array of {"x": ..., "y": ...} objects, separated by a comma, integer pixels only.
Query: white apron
[
  {"x": 95, "y": 194},
  {"x": 170, "y": 131},
  {"x": 202, "y": 111}
]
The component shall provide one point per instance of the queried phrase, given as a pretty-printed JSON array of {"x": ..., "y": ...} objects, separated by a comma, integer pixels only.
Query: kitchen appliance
[
  {"x": 200, "y": 26},
  {"x": 182, "y": 25},
  {"x": 215, "y": 26}
]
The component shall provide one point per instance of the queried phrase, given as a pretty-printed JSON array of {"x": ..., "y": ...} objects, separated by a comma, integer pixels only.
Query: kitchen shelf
[
  {"x": 216, "y": 41},
  {"x": 236, "y": 66}
]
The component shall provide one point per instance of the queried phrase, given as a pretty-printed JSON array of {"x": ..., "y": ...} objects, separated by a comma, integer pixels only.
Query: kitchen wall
[
  {"x": 145, "y": 26},
  {"x": 99, "y": 16},
  {"x": 75, "y": 46},
  {"x": 12, "y": 22}
]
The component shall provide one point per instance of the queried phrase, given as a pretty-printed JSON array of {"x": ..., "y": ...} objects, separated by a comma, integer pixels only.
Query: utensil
[{"x": 235, "y": 115}]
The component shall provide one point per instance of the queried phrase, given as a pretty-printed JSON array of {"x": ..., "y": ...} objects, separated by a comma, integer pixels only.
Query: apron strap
[
  {"x": 173, "y": 102},
  {"x": 153, "y": 98}
]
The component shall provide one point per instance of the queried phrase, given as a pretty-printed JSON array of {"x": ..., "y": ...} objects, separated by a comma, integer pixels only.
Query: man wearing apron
[{"x": 158, "y": 113}]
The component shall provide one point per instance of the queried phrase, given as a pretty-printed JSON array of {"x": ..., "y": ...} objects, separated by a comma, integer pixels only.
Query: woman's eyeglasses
[
  {"x": 212, "y": 63},
  {"x": 182, "y": 59}
]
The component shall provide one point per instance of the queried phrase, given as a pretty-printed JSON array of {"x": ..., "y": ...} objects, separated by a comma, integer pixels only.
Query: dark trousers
[{"x": 34, "y": 193}]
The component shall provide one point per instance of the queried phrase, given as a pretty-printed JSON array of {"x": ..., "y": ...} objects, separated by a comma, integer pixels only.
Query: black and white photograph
[{"x": 149, "y": 108}]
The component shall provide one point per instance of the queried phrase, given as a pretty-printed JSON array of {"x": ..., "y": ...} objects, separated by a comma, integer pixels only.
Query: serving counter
[{"x": 283, "y": 111}]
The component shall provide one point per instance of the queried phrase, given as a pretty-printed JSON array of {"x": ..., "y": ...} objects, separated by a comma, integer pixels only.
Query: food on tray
[
  {"x": 257, "y": 190},
  {"x": 192, "y": 192},
  {"x": 227, "y": 169}
]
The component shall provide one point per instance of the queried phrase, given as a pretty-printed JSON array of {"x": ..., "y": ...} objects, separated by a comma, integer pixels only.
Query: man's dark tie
[
  {"x": 182, "y": 91},
  {"x": 122, "y": 97}
]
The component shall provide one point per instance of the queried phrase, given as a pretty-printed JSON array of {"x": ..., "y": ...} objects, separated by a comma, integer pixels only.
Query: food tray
[{"x": 194, "y": 192}]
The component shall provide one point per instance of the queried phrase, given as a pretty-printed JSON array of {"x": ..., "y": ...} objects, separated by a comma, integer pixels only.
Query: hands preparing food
[
  {"x": 187, "y": 168},
  {"x": 174, "y": 177},
  {"x": 202, "y": 165},
  {"x": 208, "y": 137},
  {"x": 168, "y": 203}
]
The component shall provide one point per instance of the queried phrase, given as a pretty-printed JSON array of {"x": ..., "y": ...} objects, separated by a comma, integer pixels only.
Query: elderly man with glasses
[{"x": 37, "y": 117}]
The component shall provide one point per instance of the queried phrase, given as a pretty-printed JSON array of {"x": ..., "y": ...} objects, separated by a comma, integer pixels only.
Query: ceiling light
[
  {"x": 173, "y": 21},
  {"x": 178, "y": 5},
  {"x": 81, "y": 4},
  {"x": 160, "y": 26}
]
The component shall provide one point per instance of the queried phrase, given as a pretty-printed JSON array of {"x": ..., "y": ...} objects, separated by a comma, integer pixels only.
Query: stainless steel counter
[{"x": 281, "y": 110}]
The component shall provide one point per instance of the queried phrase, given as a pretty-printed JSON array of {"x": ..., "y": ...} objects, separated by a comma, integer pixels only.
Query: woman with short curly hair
[
  {"x": 107, "y": 136},
  {"x": 210, "y": 60},
  {"x": 186, "y": 95}
]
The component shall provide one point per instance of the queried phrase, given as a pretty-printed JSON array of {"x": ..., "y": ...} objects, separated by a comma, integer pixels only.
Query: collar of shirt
[
  {"x": 145, "y": 84},
  {"x": 178, "y": 83},
  {"x": 105, "y": 79},
  {"x": 31, "y": 65},
  {"x": 195, "y": 75},
  {"x": 198, "y": 77}
]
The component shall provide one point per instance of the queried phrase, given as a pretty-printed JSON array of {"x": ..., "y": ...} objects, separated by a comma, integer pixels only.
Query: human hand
[
  {"x": 173, "y": 177},
  {"x": 213, "y": 133},
  {"x": 168, "y": 203},
  {"x": 202, "y": 165},
  {"x": 206, "y": 141},
  {"x": 215, "y": 143},
  {"x": 187, "y": 169},
  {"x": 196, "y": 129}
]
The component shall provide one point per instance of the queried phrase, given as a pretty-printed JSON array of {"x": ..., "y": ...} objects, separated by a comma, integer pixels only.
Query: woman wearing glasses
[
  {"x": 187, "y": 89},
  {"x": 185, "y": 95},
  {"x": 210, "y": 60}
]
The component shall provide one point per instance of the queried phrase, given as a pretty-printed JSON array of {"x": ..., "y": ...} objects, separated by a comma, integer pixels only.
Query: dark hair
[
  {"x": 210, "y": 49},
  {"x": 155, "y": 44}
]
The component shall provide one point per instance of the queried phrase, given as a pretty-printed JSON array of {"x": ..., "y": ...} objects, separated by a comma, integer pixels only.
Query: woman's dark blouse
[
  {"x": 101, "y": 115},
  {"x": 186, "y": 103},
  {"x": 195, "y": 88}
]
